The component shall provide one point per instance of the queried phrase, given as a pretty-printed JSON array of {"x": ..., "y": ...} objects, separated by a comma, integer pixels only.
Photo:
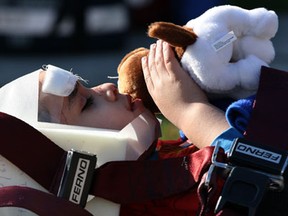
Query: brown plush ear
[
  {"x": 131, "y": 78},
  {"x": 175, "y": 35}
]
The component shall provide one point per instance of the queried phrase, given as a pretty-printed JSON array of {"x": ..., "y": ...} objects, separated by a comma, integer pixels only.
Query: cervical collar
[{"x": 20, "y": 99}]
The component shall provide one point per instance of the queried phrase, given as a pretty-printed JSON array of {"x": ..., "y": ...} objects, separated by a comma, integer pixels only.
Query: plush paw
[
  {"x": 264, "y": 23},
  {"x": 249, "y": 72},
  {"x": 250, "y": 45}
]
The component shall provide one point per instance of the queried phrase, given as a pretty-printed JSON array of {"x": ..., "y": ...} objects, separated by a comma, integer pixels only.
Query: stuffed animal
[{"x": 222, "y": 50}]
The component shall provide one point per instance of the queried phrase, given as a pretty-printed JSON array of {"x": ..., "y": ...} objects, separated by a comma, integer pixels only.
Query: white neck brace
[{"x": 20, "y": 99}]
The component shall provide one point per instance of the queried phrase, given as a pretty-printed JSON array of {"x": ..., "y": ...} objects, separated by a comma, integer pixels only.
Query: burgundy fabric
[
  {"x": 140, "y": 181},
  {"x": 269, "y": 120},
  {"x": 39, "y": 202},
  {"x": 31, "y": 151},
  {"x": 179, "y": 204},
  {"x": 269, "y": 125}
]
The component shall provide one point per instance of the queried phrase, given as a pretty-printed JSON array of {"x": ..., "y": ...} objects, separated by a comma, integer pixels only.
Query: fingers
[
  {"x": 171, "y": 63},
  {"x": 159, "y": 55},
  {"x": 153, "y": 65},
  {"x": 146, "y": 73},
  {"x": 159, "y": 65}
]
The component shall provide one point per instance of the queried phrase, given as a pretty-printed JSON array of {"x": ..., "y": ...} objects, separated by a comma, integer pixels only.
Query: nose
[{"x": 108, "y": 90}]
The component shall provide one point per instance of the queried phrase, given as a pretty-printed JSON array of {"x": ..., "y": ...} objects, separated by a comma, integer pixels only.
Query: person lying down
[
  {"x": 54, "y": 96},
  {"x": 63, "y": 99}
]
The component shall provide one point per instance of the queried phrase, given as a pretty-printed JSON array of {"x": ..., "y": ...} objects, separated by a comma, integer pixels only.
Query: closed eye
[{"x": 89, "y": 102}]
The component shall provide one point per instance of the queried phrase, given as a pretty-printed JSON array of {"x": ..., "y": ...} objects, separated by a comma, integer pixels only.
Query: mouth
[
  {"x": 133, "y": 104},
  {"x": 137, "y": 104},
  {"x": 129, "y": 104}
]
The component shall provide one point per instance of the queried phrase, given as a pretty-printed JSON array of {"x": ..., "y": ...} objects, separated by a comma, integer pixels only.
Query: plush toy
[{"x": 222, "y": 50}]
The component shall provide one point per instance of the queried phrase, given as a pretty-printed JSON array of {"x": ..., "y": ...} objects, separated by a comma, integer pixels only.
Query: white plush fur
[{"x": 235, "y": 69}]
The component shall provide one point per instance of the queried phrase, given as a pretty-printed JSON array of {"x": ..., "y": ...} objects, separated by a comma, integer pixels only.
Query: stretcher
[{"x": 249, "y": 180}]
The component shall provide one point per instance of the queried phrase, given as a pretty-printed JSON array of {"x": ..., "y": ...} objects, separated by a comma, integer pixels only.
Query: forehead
[
  {"x": 58, "y": 81},
  {"x": 55, "y": 84}
]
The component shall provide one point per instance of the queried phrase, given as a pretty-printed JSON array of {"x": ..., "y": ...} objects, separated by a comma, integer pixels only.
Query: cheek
[
  {"x": 104, "y": 118},
  {"x": 117, "y": 120}
]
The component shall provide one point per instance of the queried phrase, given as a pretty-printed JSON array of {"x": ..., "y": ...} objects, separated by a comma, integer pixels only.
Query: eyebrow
[{"x": 72, "y": 96}]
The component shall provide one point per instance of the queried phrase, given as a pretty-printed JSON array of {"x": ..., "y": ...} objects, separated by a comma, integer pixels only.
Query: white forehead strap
[{"x": 58, "y": 81}]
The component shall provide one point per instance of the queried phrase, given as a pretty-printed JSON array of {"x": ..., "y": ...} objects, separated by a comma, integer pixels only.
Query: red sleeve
[{"x": 174, "y": 148}]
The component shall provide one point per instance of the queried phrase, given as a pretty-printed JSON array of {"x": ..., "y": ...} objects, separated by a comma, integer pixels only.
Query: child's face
[{"x": 101, "y": 107}]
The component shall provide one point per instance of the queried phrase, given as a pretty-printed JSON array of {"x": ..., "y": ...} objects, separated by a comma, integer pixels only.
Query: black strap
[
  {"x": 38, "y": 202},
  {"x": 269, "y": 125},
  {"x": 120, "y": 181},
  {"x": 269, "y": 120},
  {"x": 32, "y": 152}
]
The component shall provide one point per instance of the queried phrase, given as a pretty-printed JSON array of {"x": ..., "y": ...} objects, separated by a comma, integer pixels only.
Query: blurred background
[{"x": 92, "y": 36}]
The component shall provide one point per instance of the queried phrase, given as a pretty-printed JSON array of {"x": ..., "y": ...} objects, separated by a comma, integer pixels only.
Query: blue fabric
[
  {"x": 238, "y": 115},
  {"x": 226, "y": 138},
  {"x": 182, "y": 135},
  {"x": 222, "y": 103},
  {"x": 239, "y": 112}
]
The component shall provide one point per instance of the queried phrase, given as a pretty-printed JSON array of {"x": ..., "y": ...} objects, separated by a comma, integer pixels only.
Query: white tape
[{"x": 58, "y": 81}]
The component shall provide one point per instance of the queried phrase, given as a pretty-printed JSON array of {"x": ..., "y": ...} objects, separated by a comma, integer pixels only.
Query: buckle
[
  {"x": 256, "y": 156},
  {"x": 251, "y": 171},
  {"x": 77, "y": 176}
]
